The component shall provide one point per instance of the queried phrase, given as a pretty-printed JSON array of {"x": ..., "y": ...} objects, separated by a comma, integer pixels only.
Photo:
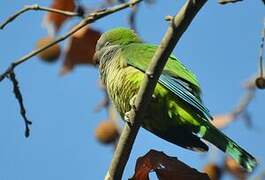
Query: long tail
[{"x": 224, "y": 143}]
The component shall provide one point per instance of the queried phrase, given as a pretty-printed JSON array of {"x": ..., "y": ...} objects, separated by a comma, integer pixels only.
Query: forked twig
[{"x": 87, "y": 20}]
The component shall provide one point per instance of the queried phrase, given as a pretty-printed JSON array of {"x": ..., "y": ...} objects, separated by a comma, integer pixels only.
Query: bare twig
[
  {"x": 261, "y": 51},
  {"x": 36, "y": 7},
  {"x": 19, "y": 97},
  {"x": 241, "y": 108},
  {"x": 177, "y": 27},
  {"x": 132, "y": 17},
  {"x": 251, "y": 86},
  {"x": 87, "y": 20},
  {"x": 260, "y": 80},
  {"x": 228, "y": 1},
  {"x": 222, "y": 121},
  {"x": 105, "y": 103},
  {"x": 244, "y": 101}
]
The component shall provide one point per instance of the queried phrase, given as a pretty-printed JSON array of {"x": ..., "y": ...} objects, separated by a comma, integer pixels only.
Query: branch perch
[
  {"x": 177, "y": 27},
  {"x": 87, "y": 20}
]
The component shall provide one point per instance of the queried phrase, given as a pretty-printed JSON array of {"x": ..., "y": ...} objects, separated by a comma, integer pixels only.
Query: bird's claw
[
  {"x": 127, "y": 117},
  {"x": 132, "y": 102}
]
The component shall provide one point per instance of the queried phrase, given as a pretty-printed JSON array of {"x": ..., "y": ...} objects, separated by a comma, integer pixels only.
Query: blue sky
[{"x": 221, "y": 47}]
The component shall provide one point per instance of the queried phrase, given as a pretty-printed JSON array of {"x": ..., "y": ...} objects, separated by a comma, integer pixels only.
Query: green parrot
[{"x": 176, "y": 113}]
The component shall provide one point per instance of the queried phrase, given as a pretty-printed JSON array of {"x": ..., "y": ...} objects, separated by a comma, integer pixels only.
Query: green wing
[
  {"x": 183, "y": 83},
  {"x": 175, "y": 77},
  {"x": 180, "y": 81},
  {"x": 142, "y": 59}
]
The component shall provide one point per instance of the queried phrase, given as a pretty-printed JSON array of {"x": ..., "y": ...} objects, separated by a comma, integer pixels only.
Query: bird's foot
[
  {"x": 127, "y": 117},
  {"x": 132, "y": 102}
]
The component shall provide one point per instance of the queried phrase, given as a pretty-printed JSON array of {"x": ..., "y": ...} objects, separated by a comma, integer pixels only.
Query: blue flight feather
[{"x": 179, "y": 89}]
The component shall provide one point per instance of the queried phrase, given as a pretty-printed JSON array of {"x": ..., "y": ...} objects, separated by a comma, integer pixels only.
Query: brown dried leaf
[
  {"x": 221, "y": 121},
  {"x": 213, "y": 171},
  {"x": 58, "y": 19},
  {"x": 81, "y": 49},
  {"x": 232, "y": 167},
  {"x": 166, "y": 168}
]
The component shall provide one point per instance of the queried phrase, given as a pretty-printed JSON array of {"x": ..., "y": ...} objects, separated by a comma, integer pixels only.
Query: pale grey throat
[{"x": 104, "y": 56}]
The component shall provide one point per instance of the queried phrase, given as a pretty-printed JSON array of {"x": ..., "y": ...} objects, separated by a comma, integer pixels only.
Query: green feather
[{"x": 144, "y": 54}]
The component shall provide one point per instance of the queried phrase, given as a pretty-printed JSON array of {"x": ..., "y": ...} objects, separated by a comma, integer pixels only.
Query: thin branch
[
  {"x": 105, "y": 103},
  {"x": 177, "y": 27},
  {"x": 262, "y": 49},
  {"x": 19, "y": 98},
  {"x": 87, "y": 20},
  {"x": 222, "y": 121},
  {"x": 36, "y": 7},
  {"x": 244, "y": 102},
  {"x": 132, "y": 18},
  {"x": 228, "y": 1},
  {"x": 260, "y": 80}
]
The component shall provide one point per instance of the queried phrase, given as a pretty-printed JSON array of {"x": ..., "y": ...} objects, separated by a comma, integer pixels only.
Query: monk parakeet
[{"x": 176, "y": 112}]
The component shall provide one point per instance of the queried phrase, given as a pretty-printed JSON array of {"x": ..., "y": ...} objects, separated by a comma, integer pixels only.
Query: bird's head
[{"x": 114, "y": 38}]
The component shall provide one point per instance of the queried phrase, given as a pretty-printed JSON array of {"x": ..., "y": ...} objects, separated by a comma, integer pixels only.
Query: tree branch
[
  {"x": 260, "y": 80},
  {"x": 261, "y": 49},
  {"x": 222, "y": 121},
  {"x": 87, "y": 20},
  {"x": 175, "y": 30},
  {"x": 132, "y": 18},
  {"x": 228, "y": 1},
  {"x": 36, "y": 7},
  {"x": 251, "y": 86},
  {"x": 19, "y": 97},
  {"x": 244, "y": 101}
]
